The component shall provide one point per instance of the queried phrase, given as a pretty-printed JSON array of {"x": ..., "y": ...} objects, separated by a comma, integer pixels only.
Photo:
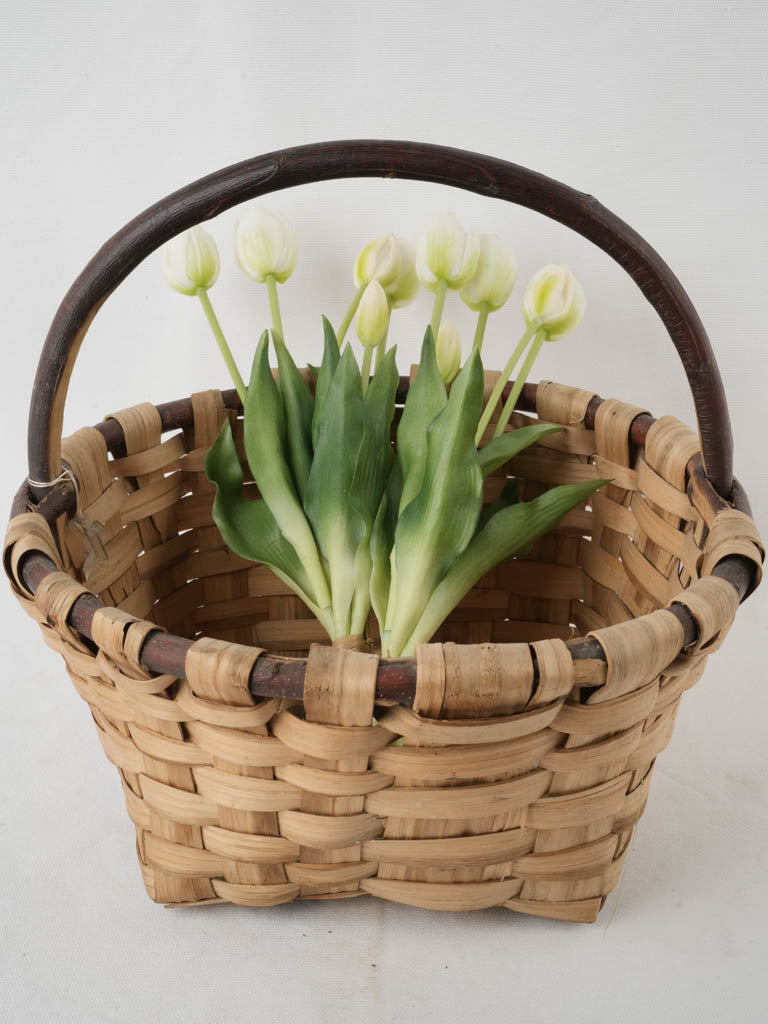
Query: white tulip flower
[
  {"x": 265, "y": 244},
  {"x": 448, "y": 350},
  {"x": 191, "y": 261},
  {"x": 554, "y": 300},
  {"x": 372, "y": 315},
  {"x": 446, "y": 252},
  {"x": 389, "y": 261},
  {"x": 494, "y": 278}
]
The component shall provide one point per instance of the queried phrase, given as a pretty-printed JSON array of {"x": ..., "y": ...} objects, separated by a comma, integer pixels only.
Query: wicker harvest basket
[{"x": 530, "y": 726}]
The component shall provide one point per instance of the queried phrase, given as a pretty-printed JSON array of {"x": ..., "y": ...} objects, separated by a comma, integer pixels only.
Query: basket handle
[{"x": 485, "y": 175}]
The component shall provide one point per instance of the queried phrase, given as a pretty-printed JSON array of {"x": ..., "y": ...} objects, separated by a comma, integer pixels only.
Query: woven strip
[
  {"x": 339, "y": 690},
  {"x": 455, "y": 681},
  {"x": 27, "y": 532},
  {"x": 636, "y": 652},
  {"x": 713, "y": 603},
  {"x": 54, "y": 598},
  {"x": 733, "y": 533},
  {"x": 340, "y": 686},
  {"x": 220, "y": 671},
  {"x": 558, "y": 403},
  {"x": 121, "y": 637},
  {"x": 556, "y": 671}
]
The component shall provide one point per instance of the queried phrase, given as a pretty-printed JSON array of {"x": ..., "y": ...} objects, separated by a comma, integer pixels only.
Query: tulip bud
[
  {"x": 389, "y": 261},
  {"x": 495, "y": 276},
  {"x": 372, "y": 315},
  {"x": 448, "y": 350},
  {"x": 446, "y": 252},
  {"x": 265, "y": 244},
  {"x": 191, "y": 261},
  {"x": 554, "y": 299}
]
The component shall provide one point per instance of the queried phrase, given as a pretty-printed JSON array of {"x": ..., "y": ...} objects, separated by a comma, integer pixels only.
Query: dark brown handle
[{"x": 485, "y": 175}]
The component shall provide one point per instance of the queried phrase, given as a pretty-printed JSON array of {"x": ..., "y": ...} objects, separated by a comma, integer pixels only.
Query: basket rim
[{"x": 282, "y": 676}]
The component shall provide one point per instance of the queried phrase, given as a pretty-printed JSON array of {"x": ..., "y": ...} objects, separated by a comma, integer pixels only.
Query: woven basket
[{"x": 508, "y": 763}]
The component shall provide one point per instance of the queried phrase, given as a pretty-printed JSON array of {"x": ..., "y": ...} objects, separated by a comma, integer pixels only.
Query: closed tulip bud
[
  {"x": 372, "y": 315},
  {"x": 448, "y": 350},
  {"x": 446, "y": 252},
  {"x": 191, "y": 261},
  {"x": 265, "y": 244},
  {"x": 554, "y": 299},
  {"x": 494, "y": 278},
  {"x": 389, "y": 261}
]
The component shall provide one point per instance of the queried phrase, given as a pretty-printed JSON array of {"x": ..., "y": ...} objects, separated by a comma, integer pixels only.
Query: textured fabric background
[{"x": 656, "y": 108}]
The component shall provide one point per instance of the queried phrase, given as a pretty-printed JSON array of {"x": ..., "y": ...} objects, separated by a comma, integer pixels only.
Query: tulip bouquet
[{"x": 347, "y": 519}]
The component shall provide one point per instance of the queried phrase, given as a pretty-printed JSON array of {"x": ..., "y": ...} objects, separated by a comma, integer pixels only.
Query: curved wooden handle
[{"x": 485, "y": 175}]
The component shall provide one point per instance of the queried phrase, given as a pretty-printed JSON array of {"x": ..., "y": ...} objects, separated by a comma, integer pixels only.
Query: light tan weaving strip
[
  {"x": 54, "y": 598},
  {"x": 483, "y": 680},
  {"x": 733, "y": 533},
  {"x": 556, "y": 672},
  {"x": 669, "y": 446},
  {"x": 219, "y": 671},
  {"x": 339, "y": 690},
  {"x": 637, "y": 652},
  {"x": 340, "y": 686},
  {"x": 430, "y": 680},
  {"x": 558, "y": 403},
  {"x": 109, "y": 628},
  {"x": 27, "y": 532},
  {"x": 457, "y": 681},
  {"x": 713, "y": 603}
]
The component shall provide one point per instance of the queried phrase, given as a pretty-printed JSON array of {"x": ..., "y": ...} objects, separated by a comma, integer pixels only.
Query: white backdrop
[{"x": 656, "y": 108}]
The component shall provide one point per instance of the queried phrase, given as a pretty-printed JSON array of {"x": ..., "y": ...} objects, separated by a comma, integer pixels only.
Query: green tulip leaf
[
  {"x": 299, "y": 406},
  {"x": 335, "y": 520},
  {"x": 504, "y": 447},
  {"x": 372, "y": 470},
  {"x": 507, "y": 533},
  {"x": 382, "y": 540},
  {"x": 327, "y": 369},
  {"x": 265, "y": 436},
  {"x": 510, "y": 495},
  {"x": 426, "y": 398},
  {"x": 437, "y": 525},
  {"x": 248, "y": 527}
]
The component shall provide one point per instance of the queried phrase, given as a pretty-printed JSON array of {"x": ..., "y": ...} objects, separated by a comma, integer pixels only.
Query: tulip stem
[
  {"x": 498, "y": 387},
  {"x": 509, "y": 406},
  {"x": 381, "y": 348},
  {"x": 347, "y": 320},
  {"x": 237, "y": 380},
  {"x": 482, "y": 320},
  {"x": 274, "y": 306},
  {"x": 365, "y": 373},
  {"x": 437, "y": 309}
]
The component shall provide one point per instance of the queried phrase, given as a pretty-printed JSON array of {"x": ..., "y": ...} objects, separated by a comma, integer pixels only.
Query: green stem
[
  {"x": 509, "y": 406},
  {"x": 498, "y": 387},
  {"x": 274, "y": 306},
  {"x": 482, "y": 320},
  {"x": 365, "y": 373},
  {"x": 437, "y": 309},
  {"x": 224, "y": 348},
  {"x": 344, "y": 325},
  {"x": 381, "y": 348}
]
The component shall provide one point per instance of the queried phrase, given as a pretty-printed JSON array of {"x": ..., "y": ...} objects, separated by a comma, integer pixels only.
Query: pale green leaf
[
  {"x": 426, "y": 398},
  {"x": 504, "y": 447},
  {"x": 336, "y": 522},
  {"x": 506, "y": 534},
  {"x": 299, "y": 405},
  {"x": 264, "y": 429},
  {"x": 248, "y": 527},
  {"x": 436, "y": 526}
]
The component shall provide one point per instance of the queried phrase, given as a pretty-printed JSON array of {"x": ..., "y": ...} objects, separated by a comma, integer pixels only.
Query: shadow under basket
[{"x": 507, "y": 764}]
